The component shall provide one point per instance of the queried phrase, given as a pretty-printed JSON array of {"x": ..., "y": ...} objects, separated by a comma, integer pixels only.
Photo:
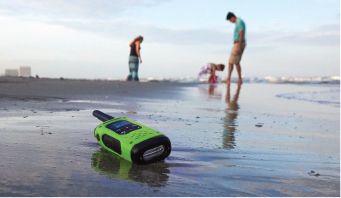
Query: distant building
[
  {"x": 11, "y": 72},
  {"x": 25, "y": 71}
]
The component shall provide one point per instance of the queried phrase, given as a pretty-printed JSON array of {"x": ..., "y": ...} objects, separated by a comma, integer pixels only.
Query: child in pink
[{"x": 210, "y": 69}]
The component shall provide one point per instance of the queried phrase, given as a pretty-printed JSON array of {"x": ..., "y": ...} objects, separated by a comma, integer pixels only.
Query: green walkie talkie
[{"x": 131, "y": 140}]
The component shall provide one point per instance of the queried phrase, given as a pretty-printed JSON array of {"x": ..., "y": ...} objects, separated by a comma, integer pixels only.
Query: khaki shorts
[{"x": 236, "y": 53}]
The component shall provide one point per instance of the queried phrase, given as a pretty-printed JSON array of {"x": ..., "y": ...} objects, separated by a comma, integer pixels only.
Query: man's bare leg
[
  {"x": 228, "y": 80},
  {"x": 239, "y": 71}
]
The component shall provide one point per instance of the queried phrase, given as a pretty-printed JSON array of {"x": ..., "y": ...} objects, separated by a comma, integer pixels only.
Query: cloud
[
  {"x": 107, "y": 18},
  {"x": 103, "y": 17},
  {"x": 75, "y": 9},
  {"x": 127, "y": 29},
  {"x": 325, "y": 35}
]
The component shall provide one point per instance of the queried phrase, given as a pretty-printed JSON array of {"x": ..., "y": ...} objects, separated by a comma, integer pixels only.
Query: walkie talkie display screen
[{"x": 122, "y": 127}]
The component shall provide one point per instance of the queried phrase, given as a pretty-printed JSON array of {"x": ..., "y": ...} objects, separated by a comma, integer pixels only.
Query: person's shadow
[{"x": 230, "y": 120}]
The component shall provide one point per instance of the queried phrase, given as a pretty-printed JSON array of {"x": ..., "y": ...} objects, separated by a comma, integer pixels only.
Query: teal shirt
[{"x": 240, "y": 26}]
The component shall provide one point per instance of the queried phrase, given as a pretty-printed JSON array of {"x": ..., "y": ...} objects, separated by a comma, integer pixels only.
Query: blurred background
[{"x": 90, "y": 39}]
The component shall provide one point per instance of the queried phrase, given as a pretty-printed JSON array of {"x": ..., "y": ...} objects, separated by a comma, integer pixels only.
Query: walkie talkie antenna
[{"x": 101, "y": 116}]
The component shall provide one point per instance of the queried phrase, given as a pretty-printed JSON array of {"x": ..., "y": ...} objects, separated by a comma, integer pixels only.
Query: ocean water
[
  {"x": 266, "y": 79},
  {"x": 257, "y": 139},
  {"x": 321, "y": 94}
]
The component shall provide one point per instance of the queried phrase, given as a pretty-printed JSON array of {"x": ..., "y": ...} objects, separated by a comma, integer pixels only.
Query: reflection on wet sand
[
  {"x": 155, "y": 175},
  {"x": 211, "y": 89},
  {"x": 230, "y": 119}
]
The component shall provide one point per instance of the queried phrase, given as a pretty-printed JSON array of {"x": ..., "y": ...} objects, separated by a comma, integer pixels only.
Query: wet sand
[{"x": 241, "y": 141}]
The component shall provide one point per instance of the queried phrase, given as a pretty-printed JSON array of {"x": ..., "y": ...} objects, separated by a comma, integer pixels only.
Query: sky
[{"x": 90, "y": 39}]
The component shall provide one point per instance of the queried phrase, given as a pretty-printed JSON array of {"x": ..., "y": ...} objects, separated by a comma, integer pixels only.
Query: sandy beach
[{"x": 259, "y": 139}]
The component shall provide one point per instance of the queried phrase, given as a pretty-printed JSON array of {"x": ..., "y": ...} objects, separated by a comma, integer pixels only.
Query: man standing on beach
[{"x": 239, "y": 44}]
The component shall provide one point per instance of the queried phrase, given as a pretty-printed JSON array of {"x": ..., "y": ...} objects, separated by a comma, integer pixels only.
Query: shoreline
[{"x": 192, "y": 80}]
